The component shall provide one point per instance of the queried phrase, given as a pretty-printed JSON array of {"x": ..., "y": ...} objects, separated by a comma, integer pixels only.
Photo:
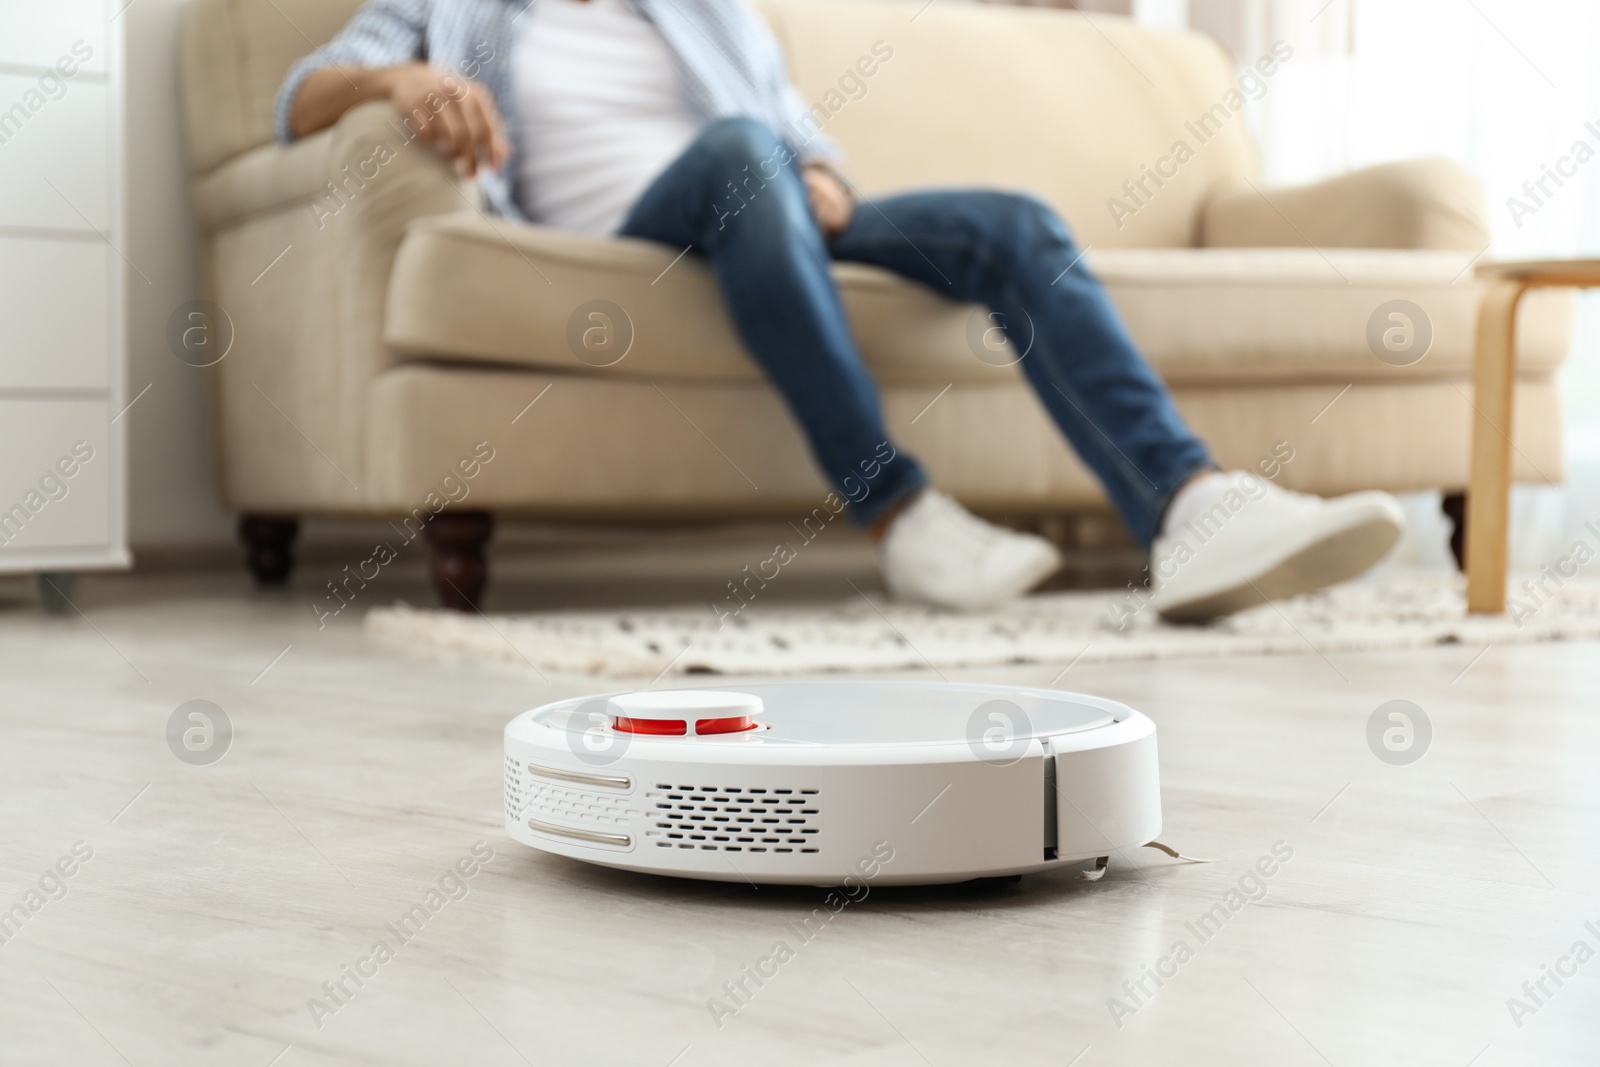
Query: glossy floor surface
[{"x": 214, "y": 913}]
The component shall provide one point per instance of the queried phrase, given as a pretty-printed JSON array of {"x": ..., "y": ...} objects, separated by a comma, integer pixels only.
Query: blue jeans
[{"x": 736, "y": 197}]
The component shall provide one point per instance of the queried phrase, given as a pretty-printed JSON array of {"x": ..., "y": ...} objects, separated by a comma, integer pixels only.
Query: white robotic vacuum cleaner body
[{"x": 904, "y": 783}]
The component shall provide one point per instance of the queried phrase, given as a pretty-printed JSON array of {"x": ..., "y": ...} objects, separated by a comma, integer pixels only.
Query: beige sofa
[{"x": 385, "y": 326}]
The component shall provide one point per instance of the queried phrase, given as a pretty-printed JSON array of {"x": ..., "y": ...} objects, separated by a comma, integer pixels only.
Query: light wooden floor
[{"x": 219, "y": 899}]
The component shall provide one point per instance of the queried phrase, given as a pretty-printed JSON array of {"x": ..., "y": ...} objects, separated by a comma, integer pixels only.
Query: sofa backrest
[
  {"x": 235, "y": 56},
  {"x": 1124, "y": 128},
  {"x": 1062, "y": 104}
]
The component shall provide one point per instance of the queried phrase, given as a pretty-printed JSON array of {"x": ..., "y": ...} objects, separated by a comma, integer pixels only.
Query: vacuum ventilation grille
[
  {"x": 529, "y": 797},
  {"x": 735, "y": 819}
]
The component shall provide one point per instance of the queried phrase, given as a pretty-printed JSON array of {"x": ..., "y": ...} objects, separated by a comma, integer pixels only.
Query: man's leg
[
  {"x": 1013, "y": 254},
  {"x": 1230, "y": 540},
  {"x": 735, "y": 197}
]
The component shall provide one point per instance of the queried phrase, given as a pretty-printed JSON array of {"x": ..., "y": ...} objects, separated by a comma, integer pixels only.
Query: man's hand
[
  {"x": 454, "y": 113},
  {"x": 831, "y": 202}
]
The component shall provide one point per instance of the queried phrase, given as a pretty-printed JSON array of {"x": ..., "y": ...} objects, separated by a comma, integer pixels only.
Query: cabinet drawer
[
  {"x": 40, "y": 505},
  {"x": 38, "y": 33},
  {"x": 53, "y": 155},
  {"x": 55, "y": 304}
]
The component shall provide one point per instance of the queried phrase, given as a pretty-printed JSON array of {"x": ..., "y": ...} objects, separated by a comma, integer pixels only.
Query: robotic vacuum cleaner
[{"x": 903, "y": 783}]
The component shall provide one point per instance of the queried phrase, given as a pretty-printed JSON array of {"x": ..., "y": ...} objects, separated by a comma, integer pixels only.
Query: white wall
[
  {"x": 171, "y": 494},
  {"x": 1505, "y": 88}
]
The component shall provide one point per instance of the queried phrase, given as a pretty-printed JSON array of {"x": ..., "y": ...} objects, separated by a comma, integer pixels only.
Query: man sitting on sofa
[{"x": 675, "y": 121}]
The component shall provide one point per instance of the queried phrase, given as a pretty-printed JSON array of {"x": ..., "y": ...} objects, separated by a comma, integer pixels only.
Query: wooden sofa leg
[
  {"x": 1455, "y": 507},
  {"x": 269, "y": 547},
  {"x": 459, "y": 569}
]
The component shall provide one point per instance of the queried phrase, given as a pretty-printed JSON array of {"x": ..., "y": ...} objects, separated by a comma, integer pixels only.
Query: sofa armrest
[
  {"x": 299, "y": 245},
  {"x": 1422, "y": 204},
  {"x": 320, "y": 172}
]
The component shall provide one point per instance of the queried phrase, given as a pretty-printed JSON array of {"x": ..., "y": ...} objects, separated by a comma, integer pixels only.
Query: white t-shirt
[{"x": 603, "y": 111}]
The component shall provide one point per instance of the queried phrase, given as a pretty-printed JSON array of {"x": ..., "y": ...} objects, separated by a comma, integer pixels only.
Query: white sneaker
[
  {"x": 937, "y": 552},
  {"x": 1243, "y": 541}
]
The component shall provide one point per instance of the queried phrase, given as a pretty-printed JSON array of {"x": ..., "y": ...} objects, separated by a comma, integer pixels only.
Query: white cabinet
[
  {"x": 55, "y": 336},
  {"x": 56, "y": 172},
  {"x": 56, "y": 461},
  {"x": 37, "y": 35},
  {"x": 62, "y": 279}
]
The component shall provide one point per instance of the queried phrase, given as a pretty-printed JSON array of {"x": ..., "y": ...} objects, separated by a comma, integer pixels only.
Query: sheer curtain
[{"x": 1510, "y": 89}]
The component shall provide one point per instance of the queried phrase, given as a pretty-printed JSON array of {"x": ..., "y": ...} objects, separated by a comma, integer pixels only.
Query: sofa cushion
[
  {"x": 467, "y": 288},
  {"x": 628, "y": 449}
]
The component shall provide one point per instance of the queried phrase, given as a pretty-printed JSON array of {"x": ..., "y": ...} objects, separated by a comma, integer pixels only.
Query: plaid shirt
[{"x": 731, "y": 63}]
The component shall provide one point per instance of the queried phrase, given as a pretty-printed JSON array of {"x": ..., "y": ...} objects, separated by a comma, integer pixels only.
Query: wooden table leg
[{"x": 1489, "y": 496}]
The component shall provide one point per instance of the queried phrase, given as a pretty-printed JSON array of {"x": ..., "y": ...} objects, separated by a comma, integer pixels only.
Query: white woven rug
[{"x": 875, "y": 635}]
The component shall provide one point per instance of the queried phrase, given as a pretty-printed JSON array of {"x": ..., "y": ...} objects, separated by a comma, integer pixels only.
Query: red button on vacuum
[
  {"x": 669, "y": 713},
  {"x": 737, "y": 725},
  {"x": 650, "y": 726}
]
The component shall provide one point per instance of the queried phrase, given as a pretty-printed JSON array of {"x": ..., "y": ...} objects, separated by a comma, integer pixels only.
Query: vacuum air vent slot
[{"x": 743, "y": 819}]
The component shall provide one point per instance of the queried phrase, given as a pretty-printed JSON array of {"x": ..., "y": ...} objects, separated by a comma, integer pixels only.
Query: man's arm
[
  {"x": 382, "y": 33},
  {"x": 454, "y": 113},
  {"x": 327, "y": 93},
  {"x": 381, "y": 55}
]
